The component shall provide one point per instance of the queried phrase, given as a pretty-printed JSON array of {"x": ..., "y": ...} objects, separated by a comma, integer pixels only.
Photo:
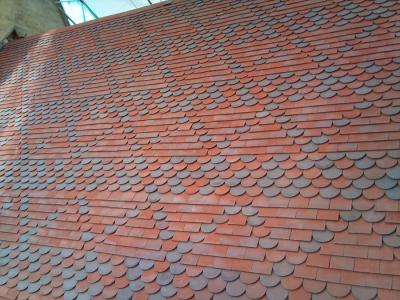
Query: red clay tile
[{"x": 262, "y": 141}]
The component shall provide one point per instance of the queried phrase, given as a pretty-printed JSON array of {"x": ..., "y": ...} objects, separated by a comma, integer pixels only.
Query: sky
[{"x": 79, "y": 13}]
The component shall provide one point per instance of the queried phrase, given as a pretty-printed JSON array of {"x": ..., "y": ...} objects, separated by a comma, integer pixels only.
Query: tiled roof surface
[{"x": 204, "y": 149}]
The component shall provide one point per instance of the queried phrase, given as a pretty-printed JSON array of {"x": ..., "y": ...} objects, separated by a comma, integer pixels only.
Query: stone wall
[{"x": 28, "y": 17}]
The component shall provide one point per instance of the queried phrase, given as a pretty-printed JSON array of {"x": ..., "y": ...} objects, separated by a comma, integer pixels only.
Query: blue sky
[{"x": 79, "y": 13}]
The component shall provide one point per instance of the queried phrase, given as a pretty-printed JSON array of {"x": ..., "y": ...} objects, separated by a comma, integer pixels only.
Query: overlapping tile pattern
[{"x": 204, "y": 149}]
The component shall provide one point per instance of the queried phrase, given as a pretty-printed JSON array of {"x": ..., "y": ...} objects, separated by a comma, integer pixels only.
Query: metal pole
[
  {"x": 63, "y": 13},
  {"x": 83, "y": 13},
  {"x": 89, "y": 9},
  {"x": 72, "y": 21}
]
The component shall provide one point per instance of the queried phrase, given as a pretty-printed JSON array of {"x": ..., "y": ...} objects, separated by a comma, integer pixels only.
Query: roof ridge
[{"x": 131, "y": 12}]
